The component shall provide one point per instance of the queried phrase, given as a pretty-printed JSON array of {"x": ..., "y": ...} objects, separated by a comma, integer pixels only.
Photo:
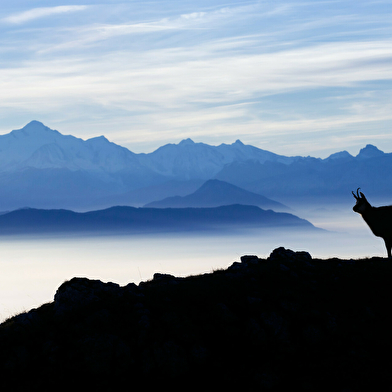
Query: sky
[{"x": 292, "y": 77}]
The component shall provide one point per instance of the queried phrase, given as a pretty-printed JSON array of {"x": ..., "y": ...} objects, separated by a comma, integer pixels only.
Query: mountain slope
[
  {"x": 214, "y": 193},
  {"x": 139, "y": 197},
  {"x": 288, "y": 322}
]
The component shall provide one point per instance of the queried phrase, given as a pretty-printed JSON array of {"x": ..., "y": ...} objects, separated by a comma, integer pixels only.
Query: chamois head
[{"x": 362, "y": 204}]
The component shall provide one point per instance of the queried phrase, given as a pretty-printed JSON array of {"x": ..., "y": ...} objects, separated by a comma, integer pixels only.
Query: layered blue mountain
[
  {"x": 139, "y": 197},
  {"x": 41, "y": 168},
  {"x": 145, "y": 220},
  {"x": 188, "y": 160},
  {"x": 214, "y": 193},
  {"x": 331, "y": 179}
]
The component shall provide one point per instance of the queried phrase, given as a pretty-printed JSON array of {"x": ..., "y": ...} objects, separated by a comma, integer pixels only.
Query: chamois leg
[{"x": 388, "y": 245}]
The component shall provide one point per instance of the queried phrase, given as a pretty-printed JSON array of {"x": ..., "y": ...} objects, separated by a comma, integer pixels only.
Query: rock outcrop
[{"x": 288, "y": 322}]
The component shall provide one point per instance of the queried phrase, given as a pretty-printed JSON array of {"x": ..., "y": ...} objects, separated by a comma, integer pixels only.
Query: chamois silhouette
[{"x": 379, "y": 219}]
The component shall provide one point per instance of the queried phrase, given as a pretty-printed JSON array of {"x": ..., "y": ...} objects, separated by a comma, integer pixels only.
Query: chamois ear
[{"x": 363, "y": 196}]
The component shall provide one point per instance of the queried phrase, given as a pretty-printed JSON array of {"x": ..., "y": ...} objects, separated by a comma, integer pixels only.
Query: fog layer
[{"x": 32, "y": 268}]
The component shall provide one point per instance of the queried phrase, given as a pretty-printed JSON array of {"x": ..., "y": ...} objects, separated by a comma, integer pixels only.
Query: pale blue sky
[{"x": 293, "y": 77}]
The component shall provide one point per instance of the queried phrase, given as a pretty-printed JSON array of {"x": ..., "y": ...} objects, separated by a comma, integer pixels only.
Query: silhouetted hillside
[
  {"x": 130, "y": 219},
  {"x": 214, "y": 193},
  {"x": 284, "y": 323}
]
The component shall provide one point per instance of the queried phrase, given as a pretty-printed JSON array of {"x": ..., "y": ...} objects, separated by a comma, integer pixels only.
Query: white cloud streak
[
  {"x": 94, "y": 34},
  {"x": 42, "y": 12},
  {"x": 203, "y": 76}
]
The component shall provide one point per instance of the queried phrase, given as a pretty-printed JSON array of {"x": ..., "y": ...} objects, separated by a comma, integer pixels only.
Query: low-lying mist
[{"x": 34, "y": 266}]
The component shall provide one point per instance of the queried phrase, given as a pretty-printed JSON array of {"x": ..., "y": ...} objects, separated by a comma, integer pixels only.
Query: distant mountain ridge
[
  {"x": 188, "y": 159},
  {"x": 41, "y": 168},
  {"x": 331, "y": 179},
  {"x": 214, "y": 193},
  {"x": 144, "y": 220},
  {"x": 37, "y": 146}
]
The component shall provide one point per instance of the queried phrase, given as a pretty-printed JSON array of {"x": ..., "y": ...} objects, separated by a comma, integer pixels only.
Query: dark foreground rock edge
[{"x": 288, "y": 322}]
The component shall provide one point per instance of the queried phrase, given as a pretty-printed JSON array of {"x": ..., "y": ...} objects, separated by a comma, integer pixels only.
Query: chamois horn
[{"x": 357, "y": 195}]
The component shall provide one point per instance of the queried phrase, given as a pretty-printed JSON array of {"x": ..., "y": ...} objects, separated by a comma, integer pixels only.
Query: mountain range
[
  {"x": 41, "y": 168},
  {"x": 315, "y": 180},
  {"x": 37, "y": 146}
]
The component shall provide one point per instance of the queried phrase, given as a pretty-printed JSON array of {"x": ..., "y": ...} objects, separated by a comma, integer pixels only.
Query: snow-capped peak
[{"x": 38, "y": 146}]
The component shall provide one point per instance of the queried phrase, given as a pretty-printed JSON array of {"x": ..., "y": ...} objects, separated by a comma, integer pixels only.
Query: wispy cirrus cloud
[
  {"x": 188, "y": 77},
  {"x": 94, "y": 34},
  {"x": 42, "y": 12},
  {"x": 258, "y": 71}
]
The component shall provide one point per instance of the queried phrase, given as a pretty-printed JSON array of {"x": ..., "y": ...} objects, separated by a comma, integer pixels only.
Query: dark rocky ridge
[{"x": 288, "y": 322}]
